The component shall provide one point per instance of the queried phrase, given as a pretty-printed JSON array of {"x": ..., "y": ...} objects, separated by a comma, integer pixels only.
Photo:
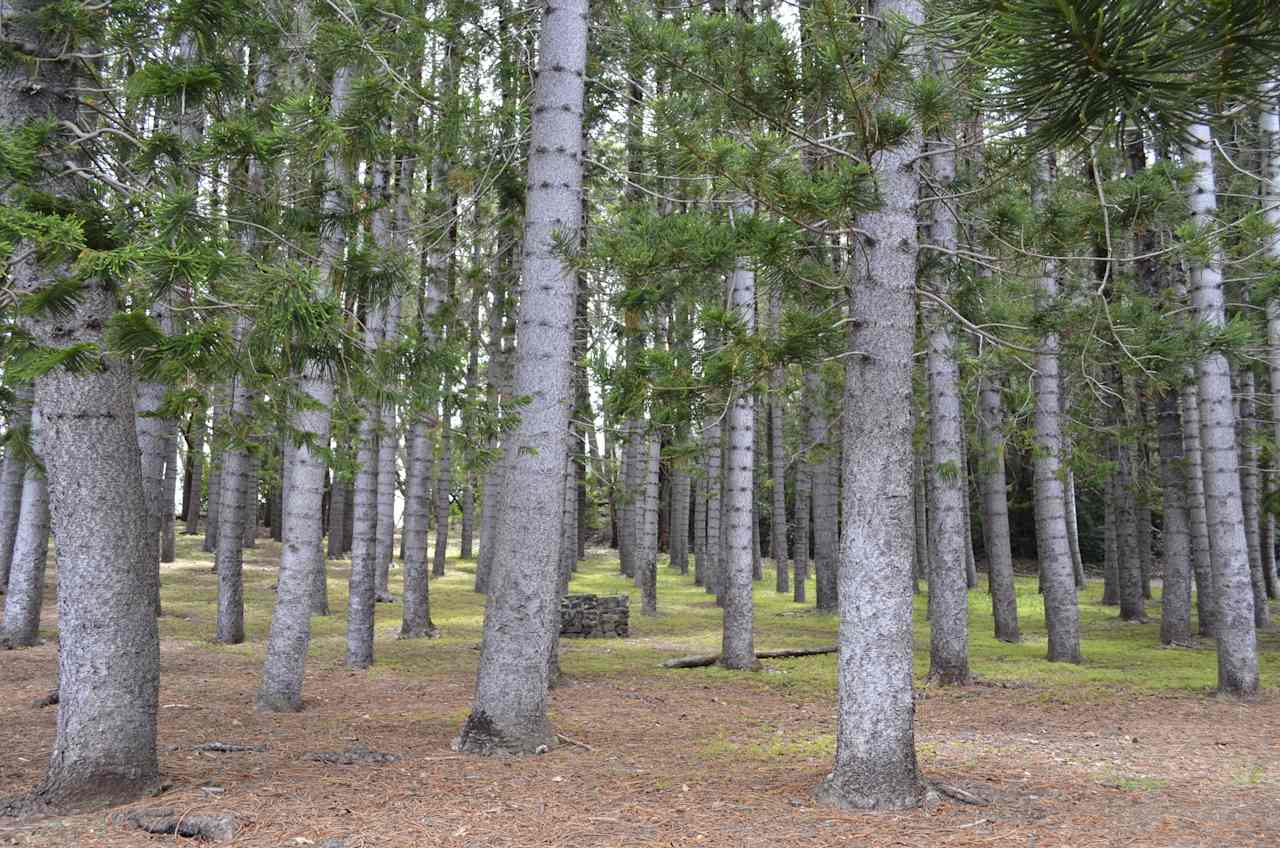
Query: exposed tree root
[
  {"x": 162, "y": 820},
  {"x": 228, "y": 748},
  {"x": 357, "y": 755}
]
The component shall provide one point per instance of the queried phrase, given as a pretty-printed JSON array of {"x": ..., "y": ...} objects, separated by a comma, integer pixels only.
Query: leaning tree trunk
[
  {"x": 104, "y": 750},
  {"x": 1232, "y": 584},
  {"x": 301, "y": 552},
  {"x": 12, "y": 479},
  {"x": 25, "y": 594},
  {"x": 875, "y": 762},
  {"x": 737, "y": 646},
  {"x": 510, "y": 709},
  {"x": 1269, "y": 125},
  {"x": 1062, "y": 616},
  {"x": 995, "y": 512}
]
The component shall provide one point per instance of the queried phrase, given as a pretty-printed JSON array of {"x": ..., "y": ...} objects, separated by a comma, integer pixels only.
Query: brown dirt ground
[{"x": 1149, "y": 771}]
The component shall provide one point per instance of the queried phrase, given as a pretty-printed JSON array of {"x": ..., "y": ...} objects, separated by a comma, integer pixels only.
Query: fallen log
[{"x": 703, "y": 660}]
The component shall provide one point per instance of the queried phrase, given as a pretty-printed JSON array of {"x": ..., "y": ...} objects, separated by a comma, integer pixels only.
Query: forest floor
[{"x": 1130, "y": 748}]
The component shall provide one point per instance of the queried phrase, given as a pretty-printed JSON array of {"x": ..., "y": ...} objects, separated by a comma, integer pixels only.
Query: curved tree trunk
[{"x": 995, "y": 512}]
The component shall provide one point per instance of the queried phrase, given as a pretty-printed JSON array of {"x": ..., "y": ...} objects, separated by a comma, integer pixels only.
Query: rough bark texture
[
  {"x": 109, "y": 651},
  {"x": 388, "y": 436},
  {"x": 737, "y": 648},
  {"x": 443, "y": 487},
  {"x": 699, "y": 529},
  {"x": 875, "y": 763},
  {"x": 1175, "y": 619},
  {"x": 522, "y": 611},
  {"x": 948, "y": 581},
  {"x": 995, "y": 512},
  {"x": 1062, "y": 616},
  {"x": 1234, "y": 614},
  {"x": 647, "y": 565},
  {"x": 825, "y": 497},
  {"x": 711, "y": 576},
  {"x": 800, "y": 551},
  {"x": 1130, "y": 572},
  {"x": 679, "y": 544},
  {"x": 233, "y": 480},
  {"x": 168, "y": 496},
  {"x": 1250, "y": 497},
  {"x": 362, "y": 593}
]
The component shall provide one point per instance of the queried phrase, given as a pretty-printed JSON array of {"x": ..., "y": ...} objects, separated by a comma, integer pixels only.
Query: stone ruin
[{"x": 595, "y": 616}]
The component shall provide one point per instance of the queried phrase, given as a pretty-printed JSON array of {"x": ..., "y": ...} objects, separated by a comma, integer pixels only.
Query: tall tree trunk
[
  {"x": 948, "y": 582},
  {"x": 1111, "y": 539},
  {"x": 875, "y": 762},
  {"x": 700, "y": 528},
  {"x": 104, "y": 751},
  {"x": 1234, "y": 614},
  {"x": 168, "y": 496},
  {"x": 1201, "y": 559},
  {"x": 301, "y": 555},
  {"x": 825, "y": 497},
  {"x": 1057, "y": 572},
  {"x": 995, "y": 512},
  {"x": 388, "y": 443},
  {"x": 1073, "y": 532},
  {"x": 522, "y": 613},
  {"x": 804, "y": 504},
  {"x": 647, "y": 564},
  {"x": 216, "y": 444},
  {"x": 680, "y": 491},
  {"x": 1175, "y": 620},
  {"x": 231, "y": 512},
  {"x": 362, "y": 591},
  {"x": 711, "y": 574}
]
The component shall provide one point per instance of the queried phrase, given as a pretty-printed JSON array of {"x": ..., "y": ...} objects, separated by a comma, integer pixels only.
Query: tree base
[
  {"x": 430, "y": 631},
  {"x": 482, "y": 736},
  {"x": 906, "y": 795},
  {"x": 278, "y": 702}
]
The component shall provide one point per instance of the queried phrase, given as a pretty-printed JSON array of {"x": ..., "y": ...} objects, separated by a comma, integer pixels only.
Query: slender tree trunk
[
  {"x": 362, "y": 593},
  {"x": 738, "y": 647},
  {"x": 522, "y": 613},
  {"x": 195, "y": 472},
  {"x": 1250, "y": 500},
  {"x": 444, "y": 485},
  {"x": 168, "y": 496},
  {"x": 1175, "y": 620},
  {"x": 825, "y": 498},
  {"x": 700, "y": 529},
  {"x": 1073, "y": 532},
  {"x": 679, "y": 546},
  {"x": 417, "y": 598},
  {"x": 25, "y": 595},
  {"x": 1111, "y": 531},
  {"x": 804, "y": 499},
  {"x": 1058, "y": 574},
  {"x": 338, "y": 507},
  {"x": 995, "y": 512},
  {"x": 1234, "y": 614},
  {"x": 875, "y": 762},
  {"x": 711, "y": 574},
  {"x": 231, "y": 514},
  {"x": 12, "y": 481},
  {"x": 647, "y": 565},
  {"x": 216, "y": 444},
  {"x": 388, "y": 446},
  {"x": 1130, "y": 576}
]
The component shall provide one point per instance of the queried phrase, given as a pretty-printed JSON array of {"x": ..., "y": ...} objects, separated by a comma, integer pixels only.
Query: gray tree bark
[
  {"x": 12, "y": 479},
  {"x": 800, "y": 552},
  {"x": 711, "y": 573},
  {"x": 195, "y": 470},
  {"x": 1175, "y": 619},
  {"x": 1201, "y": 559},
  {"x": 388, "y": 432},
  {"x": 995, "y": 512},
  {"x": 362, "y": 591},
  {"x": 825, "y": 498},
  {"x": 443, "y": 488},
  {"x": 1228, "y": 547},
  {"x": 168, "y": 497},
  {"x": 104, "y": 751},
  {"x": 301, "y": 554},
  {"x": 1250, "y": 497},
  {"x": 647, "y": 563},
  {"x": 522, "y": 612},
  {"x": 700, "y": 528},
  {"x": 875, "y": 763},
  {"x": 24, "y": 596},
  {"x": 231, "y": 511},
  {"x": 1062, "y": 616},
  {"x": 416, "y": 622},
  {"x": 737, "y": 649}
]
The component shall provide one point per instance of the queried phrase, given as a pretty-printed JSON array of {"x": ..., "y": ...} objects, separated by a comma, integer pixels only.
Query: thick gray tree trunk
[
  {"x": 875, "y": 763},
  {"x": 1111, "y": 539},
  {"x": 302, "y": 554},
  {"x": 995, "y": 512},
  {"x": 24, "y": 597},
  {"x": 1228, "y": 547},
  {"x": 104, "y": 751},
  {"x": 522, "y": 611},
  {"x": 337, "y": 516},
  {"x": 1129, "y": 571},
  {"x": 738, "y": 646},
  {"x": 1062, "y": 616},
  {"x": 250, "y": 500},
  {"x": 12, "y": 480},
  {"x": 362, "y": 585}
]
